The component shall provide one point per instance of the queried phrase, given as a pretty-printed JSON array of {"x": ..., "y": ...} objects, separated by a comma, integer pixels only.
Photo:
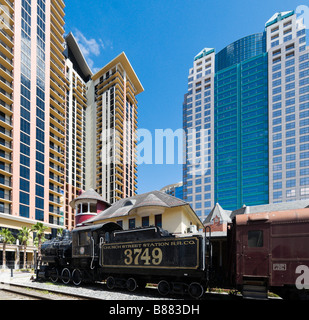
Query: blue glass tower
[{"x": 241, "y": 123}]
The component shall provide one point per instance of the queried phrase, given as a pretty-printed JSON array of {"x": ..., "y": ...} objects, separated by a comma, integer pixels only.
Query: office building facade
[{"x": 245, "y": 118}]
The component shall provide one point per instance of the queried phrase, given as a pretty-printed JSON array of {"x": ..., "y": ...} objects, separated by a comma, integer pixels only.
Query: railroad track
[{"x": 35, "y": 293}]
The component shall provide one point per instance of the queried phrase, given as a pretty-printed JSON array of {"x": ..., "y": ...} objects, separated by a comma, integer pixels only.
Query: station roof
[{"x": 124, "y": 207}]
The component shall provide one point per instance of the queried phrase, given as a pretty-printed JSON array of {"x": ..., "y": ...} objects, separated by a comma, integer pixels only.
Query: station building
[{"x": 152, "y": 208}]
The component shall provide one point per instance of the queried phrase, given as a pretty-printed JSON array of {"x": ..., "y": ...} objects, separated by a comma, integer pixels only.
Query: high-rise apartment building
[
  {"x": 111, "y": 148},
  {"x": 101, "y": 126},
  {"x": 78, "y": 74},
  {"x": 53, "y": 111},
  {"x": 33, "y": 109},
  {"x": 245, "y": 114}
]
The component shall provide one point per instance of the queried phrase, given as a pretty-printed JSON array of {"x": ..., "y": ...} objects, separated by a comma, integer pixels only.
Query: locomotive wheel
[
  {"x": 110, "y": 283},
  {"x": 196, "y": 290},
  {"x": 66, "y": 275},
  {"x": 164, "y": 288},
  {"x": 54, "y": 275},
  {"x": 77, "y": 277},
  {"x": 131, "y": 284}
]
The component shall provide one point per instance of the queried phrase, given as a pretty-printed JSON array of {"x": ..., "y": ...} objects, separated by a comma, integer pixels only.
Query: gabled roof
[
  {"x": 219, "y": 212},
  {"x": 91, "y": 194}
]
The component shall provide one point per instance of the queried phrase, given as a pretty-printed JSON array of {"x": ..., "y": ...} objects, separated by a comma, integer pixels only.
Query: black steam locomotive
[{"x": 128, "y": 259}]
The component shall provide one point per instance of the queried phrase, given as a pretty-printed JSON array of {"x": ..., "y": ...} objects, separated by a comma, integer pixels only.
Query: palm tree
[
  {"x": 7, "y": 237},
  {"x": 39, "y": 228},
  {"x": 59, "y": 232},
  {"x": 23, "y": 236}
]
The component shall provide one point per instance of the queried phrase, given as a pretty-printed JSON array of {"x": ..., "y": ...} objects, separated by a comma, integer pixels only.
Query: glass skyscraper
[{"x": 245, "y": 119}]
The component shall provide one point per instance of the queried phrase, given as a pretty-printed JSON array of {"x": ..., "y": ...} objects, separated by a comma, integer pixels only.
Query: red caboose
[{"x": 270, "y": 251}]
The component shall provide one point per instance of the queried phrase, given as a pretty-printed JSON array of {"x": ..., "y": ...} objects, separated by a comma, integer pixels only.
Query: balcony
[
  {"x": 55, "y": 179},
  {"x": 5, "y": 121},
  {"x": 5, "y": 182},
  {"x": 4, "y": 96},
  {"x": 56, "y": 122},
  {"x": 5, "y": 168},
  {"x": 55, "y": 189},
  {"x": 6, "y": 157},
  {"x": 5, "y": 209},
  {"x": 9, "y": 6},
  {"x": 54, "y": 199},
  {"x": 5, "y": 145},
  {"x": 56, "y": 130},
  {"x": 56, "y": 168},
  {"x": 5, "y": 73},
  {"x": 5, "y": 196},
  {"x": 58, "y": 18},
  {"x": 57, "y": 149}
]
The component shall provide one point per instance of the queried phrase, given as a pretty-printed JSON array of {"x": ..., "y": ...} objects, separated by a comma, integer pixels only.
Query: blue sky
[{"x": 161, "y": 38}]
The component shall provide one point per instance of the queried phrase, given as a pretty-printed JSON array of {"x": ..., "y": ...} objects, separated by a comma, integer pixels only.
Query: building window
[
  {"x": 158, "y": 220},
  {"x": 132, "y": 223},
  {"x": 145, "y": 221}
]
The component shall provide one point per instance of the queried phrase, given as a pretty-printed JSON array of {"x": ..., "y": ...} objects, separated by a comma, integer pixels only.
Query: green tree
[
  {"x": 40, "y": 229},
  {"x": 23, "y": 236},
  {"x": 59, "y": 232},
  {"x": 7, "y": 238}
]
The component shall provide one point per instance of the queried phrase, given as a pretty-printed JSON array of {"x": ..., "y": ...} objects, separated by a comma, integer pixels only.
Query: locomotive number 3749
[{"x": 143, "y": 256}]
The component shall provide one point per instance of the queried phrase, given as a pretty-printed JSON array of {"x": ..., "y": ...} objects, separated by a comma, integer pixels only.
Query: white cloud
[
  {"x": 91, "y": 47},
  {"x": 88, "y": 47}
]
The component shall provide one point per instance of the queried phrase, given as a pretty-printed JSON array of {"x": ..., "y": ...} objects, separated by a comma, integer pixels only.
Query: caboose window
[{"x": 255, "y": 238}]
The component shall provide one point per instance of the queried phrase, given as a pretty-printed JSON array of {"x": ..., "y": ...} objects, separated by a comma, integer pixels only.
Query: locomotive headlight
[{"x": 82, "y": 250}]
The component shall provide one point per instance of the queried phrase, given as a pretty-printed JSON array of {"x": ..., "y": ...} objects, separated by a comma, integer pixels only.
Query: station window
[
  {"x": 255, "y": 238},
  {"x": 158, "y": 220},
  {"x": 145, "y": 221},
  {"x": 132, "y": 223}
]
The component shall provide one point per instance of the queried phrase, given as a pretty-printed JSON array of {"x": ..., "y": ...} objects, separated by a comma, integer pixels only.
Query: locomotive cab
[{"x": 87, "y": 240}]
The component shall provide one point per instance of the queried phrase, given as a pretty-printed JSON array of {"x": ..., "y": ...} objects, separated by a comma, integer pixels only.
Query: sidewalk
[{"x": 6, "y": 275}]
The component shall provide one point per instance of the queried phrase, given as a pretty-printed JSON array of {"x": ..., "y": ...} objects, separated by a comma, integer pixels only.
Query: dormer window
[{"x": 128, "y": 203}]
